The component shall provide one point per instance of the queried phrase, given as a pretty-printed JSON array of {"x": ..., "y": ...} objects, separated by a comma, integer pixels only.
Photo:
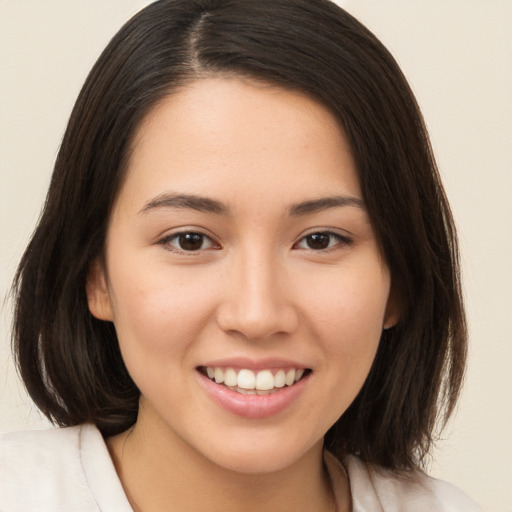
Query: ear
[
  {"x": 393, "y": 309},
  {"x": 98, "y": 297}
]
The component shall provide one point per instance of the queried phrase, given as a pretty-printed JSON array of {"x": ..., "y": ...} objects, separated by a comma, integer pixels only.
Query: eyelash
[
  {"x": 339, "y": 241},
  {"x": 167, "y": 242}
]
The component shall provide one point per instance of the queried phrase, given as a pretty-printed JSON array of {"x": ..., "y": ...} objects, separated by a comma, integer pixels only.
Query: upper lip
[{"x": 254, "y": 364}]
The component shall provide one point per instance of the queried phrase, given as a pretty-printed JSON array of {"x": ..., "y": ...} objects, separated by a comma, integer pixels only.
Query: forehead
[{"x": 217, "y": 135}]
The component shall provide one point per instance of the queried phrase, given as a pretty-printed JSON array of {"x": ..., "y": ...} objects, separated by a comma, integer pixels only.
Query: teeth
[
  {"x": 246, "y": 379},
  {"x": 290, "y": 377},
  {"x": 264, "y": 380},
  {"x": 247, "y": 382},
  {"x": 230, "y": 377},
  {"x": 219, "y": 376},
  {"x": 280, "y": 379}
]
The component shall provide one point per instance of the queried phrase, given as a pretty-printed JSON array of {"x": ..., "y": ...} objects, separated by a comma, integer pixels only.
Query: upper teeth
[{"x": 263, "y": 380}]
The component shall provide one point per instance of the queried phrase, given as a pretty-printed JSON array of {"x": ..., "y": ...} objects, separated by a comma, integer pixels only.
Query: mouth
[{"x": 248, "y": 382}]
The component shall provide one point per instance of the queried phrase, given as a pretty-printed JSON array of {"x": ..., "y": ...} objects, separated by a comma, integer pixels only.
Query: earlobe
[
  {"x": 392, "y": 316},
  {"x": 98, "y": 297},
  {"x": 390, "y": 321}
]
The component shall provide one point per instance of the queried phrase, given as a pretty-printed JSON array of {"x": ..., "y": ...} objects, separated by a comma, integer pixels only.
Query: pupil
[
  {"x": 191, "y": 241},
  {"x": 318, "y": 241}
]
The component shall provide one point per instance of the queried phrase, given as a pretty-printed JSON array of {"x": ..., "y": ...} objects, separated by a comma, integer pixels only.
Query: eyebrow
[
  {"x": 191, "y": 201},
  {"x": 324, "y": 203},
  {"x": 208, "y": 205}
]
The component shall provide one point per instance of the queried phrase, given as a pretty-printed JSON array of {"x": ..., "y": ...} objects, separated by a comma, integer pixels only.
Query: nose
[{"x": 256, "y": 301}]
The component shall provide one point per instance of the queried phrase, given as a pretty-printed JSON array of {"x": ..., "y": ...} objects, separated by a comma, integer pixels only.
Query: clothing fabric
[{"x": 70, "y": 469}]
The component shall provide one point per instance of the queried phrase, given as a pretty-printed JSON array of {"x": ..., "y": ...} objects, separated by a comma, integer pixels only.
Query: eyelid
[
  {"x": 344, "y": 239},
  {"x": 165, "y": 240}
]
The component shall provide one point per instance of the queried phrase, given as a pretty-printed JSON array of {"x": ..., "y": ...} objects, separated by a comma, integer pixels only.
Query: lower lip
[{"x": 253, "y": 406}]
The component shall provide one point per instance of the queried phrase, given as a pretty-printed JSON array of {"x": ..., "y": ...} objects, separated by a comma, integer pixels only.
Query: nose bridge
[{"x": 256, "y": 302}]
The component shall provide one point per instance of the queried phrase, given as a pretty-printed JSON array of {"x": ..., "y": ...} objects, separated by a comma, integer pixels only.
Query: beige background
[{"x": 457, "y": 55}]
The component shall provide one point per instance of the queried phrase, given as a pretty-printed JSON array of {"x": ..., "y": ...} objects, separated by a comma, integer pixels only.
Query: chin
[{"x": 261, "y": 456}]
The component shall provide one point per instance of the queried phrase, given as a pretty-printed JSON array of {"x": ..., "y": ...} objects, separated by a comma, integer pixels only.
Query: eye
[
  {"x": 189, "y": 241},
  {"x": 322, "y": 240}
]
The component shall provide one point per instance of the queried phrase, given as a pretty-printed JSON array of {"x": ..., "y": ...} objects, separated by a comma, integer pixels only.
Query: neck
[{"x": 159, "y": 472}]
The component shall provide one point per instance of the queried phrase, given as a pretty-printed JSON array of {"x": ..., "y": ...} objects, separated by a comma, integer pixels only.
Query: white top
[{"x": 70, "y": 470}]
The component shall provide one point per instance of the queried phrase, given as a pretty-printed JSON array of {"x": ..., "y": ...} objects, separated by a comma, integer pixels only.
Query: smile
[{"x": 247, "y": 382}]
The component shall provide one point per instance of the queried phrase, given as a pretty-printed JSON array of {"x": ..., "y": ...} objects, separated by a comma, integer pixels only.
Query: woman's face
[{"x": 240, "y": 249}]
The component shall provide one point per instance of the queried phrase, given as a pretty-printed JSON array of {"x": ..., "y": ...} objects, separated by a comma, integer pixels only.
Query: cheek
[
  {"x": 348, "y": 328},
  {"x": 157, "y": 310},
  {"x": 347, "y": 314}
]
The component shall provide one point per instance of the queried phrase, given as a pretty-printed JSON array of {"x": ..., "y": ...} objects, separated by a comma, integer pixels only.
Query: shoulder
[
  {"x": 42, "y": 469},
  {"x": 375, "y": 489},
  {"x": 46, "y": 470},
  {"x": 37, "y": 443}
]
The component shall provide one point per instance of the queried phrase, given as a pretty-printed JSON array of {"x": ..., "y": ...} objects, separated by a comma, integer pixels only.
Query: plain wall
[{"x": 457, "y": 55}]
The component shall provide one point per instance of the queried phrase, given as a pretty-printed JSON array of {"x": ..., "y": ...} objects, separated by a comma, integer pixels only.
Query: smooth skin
[{"x": 239, "y": 231}]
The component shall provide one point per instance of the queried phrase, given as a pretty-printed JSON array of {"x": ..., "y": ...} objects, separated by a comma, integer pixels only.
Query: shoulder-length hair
[{"x": 70, "y": 361}]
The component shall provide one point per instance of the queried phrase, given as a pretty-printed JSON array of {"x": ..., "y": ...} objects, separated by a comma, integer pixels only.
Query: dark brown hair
[{"x": 70, "y": 361}]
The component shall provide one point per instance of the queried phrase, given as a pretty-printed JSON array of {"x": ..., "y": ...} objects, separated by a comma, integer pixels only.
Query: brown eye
[
  {"x": 318, "y": 241},
  {"x": 322, "y": 240},
  {"x": 188, "y": 241}
]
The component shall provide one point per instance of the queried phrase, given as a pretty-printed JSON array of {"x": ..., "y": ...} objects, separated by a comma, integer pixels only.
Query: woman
[{"x": 245, "y": 277}]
